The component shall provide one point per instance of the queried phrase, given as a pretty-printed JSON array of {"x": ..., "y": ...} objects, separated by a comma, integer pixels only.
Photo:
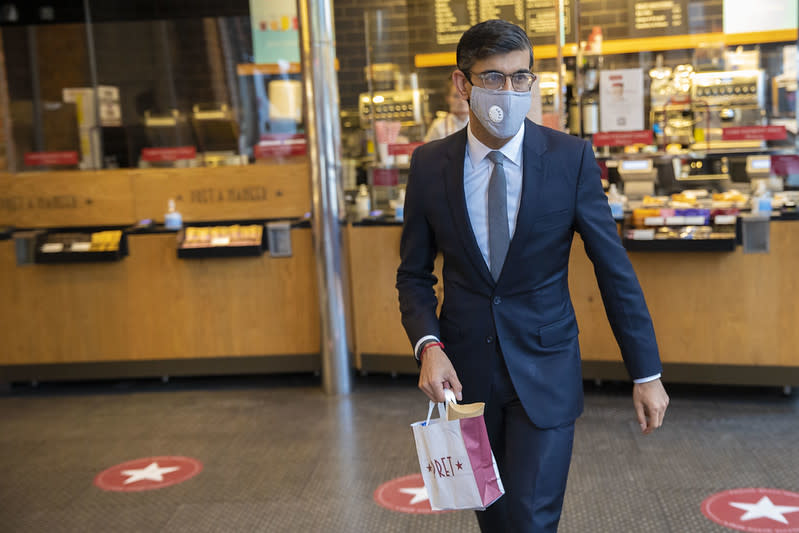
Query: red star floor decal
[
  {"x": 754, "y": 510},
  {"x": 405, "y": 495},
  {"x": 148, "y": 473}
]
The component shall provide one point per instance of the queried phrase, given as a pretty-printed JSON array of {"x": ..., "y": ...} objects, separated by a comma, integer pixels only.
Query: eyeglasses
[{"x": 493, "y": 80}]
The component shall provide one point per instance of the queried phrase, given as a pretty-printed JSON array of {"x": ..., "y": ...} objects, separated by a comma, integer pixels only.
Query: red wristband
[{"x": 428, "y": 345}]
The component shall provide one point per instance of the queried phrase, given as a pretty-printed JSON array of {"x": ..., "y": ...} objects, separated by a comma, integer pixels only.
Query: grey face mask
[{"x": 500, "y": 112}]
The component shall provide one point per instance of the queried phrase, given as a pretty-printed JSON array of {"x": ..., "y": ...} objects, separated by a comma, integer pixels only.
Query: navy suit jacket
[{"x": 528, "y": 311}]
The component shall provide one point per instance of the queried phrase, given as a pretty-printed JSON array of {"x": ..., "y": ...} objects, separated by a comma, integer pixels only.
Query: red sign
[
  {"x": 148, "y": 473},
  {"x": 403, "y": 149},
  {"x": 756, "y": 510},
  {"x": 388, "y": 177},
  {"x": 622, "y": 138},
  {"x": 754, "y": 133},
  {"x": 783, "y": 165},
  {"x": 281, "y": 145},
  {"x": 404, "y": 494},
  {"x": 46, "y": 159},
  {"x": 177, "y": 153}
]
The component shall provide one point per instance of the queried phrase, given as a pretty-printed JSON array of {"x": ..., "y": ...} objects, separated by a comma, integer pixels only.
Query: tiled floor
[{"x": 279, "y": 456}]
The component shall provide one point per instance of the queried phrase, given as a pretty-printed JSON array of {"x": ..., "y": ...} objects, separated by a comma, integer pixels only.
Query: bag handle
[{"x": 449, "y": 397}]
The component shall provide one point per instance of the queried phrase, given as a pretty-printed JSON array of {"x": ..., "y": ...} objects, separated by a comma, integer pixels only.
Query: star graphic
[
  {"x": 430, "y": 467},
  {"x": 419, "y": 494},
  {"x": 765, "y": 508},
  {"x": 459, "y": 465},
  {"x": 152, "y": 472}
]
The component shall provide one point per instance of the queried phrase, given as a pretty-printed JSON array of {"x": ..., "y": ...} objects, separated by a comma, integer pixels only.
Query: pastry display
[
  {"x": 105, "y": 241},
  {"x": 216, "y": 236}
]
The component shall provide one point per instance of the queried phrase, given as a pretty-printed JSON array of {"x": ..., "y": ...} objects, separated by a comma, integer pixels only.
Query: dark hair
[{"x": 490, "y": 38}]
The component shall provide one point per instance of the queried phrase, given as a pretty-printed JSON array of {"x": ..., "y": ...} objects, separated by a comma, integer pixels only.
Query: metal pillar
[
  {"x": 323, "y": 131},
  {"x": 96, "y": 147},
  {"x": 560, "y": 94}
]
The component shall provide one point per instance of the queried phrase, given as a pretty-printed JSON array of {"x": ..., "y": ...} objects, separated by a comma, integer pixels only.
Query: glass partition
[
  {"x": 218, "y": 83},
  {"x": 168, "y": 85}
]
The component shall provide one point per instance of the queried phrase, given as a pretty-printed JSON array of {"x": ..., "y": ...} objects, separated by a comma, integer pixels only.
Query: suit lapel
[
  {"x": 533, "y": 179},
  {"x": 456, "y": 196}
]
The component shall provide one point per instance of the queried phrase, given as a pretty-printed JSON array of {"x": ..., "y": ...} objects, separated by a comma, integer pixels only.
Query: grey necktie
[{"x": 498, "y": 232}]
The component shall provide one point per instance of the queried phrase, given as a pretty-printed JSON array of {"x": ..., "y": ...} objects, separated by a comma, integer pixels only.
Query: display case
[
  {"x": 80, "y": 246},
  {"x": 233, "y": 240}
]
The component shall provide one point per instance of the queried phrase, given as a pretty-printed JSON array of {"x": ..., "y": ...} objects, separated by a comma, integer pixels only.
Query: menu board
[
  {"x": 510, "y": 10},
  {"x": 658, "y": 17},
  {"x": 439, "y": 24},
  {"x": 542, "y": 18},
  {"x": 453, "y": 17},
  {"x": 539, "y": 18}
]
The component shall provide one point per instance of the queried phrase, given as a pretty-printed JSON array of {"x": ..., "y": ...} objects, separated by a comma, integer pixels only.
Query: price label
[
  {"x": 80, "y": 246},
  {"x": 40, "y": 159},
  {"x": 754, "y": 133},
  {"x": 725, "y": 219},
  {"x": 403, "y": 149},
  {"x": 642, "y": 234},
  {"x": 52, "y": 247},
  {"x": 178, "y": 153},
  {"x": 653, "y": 221},
  {"x": 220, "y": 241}
]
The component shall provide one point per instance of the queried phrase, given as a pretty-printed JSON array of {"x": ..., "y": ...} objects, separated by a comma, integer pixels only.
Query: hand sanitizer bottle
[
  {"x": 616, "y": 202},
  {"x": 363, "y": 204},
  {"x": 172, "y": 220},
  {"x": 761, "y": 201}
]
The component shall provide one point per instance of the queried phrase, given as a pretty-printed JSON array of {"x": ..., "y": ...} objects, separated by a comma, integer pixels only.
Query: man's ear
[{"x": 461, "y": 83}]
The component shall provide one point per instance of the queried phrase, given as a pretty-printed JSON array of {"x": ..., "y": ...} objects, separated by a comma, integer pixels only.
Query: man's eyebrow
[{"x": 520, "y": 71}]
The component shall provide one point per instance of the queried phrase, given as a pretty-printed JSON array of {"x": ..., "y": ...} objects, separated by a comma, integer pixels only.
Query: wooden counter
[
  {"x": 154, "y": 307},
  {"x": 719, "y": 317},
  {"x": 152, "y": 313}
]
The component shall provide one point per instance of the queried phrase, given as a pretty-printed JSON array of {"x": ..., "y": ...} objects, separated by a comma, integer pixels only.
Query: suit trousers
[{"x": 533, "y": 463}]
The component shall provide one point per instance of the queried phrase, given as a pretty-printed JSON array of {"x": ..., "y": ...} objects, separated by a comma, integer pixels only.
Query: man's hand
[
  {"x": 650, "y": 401},
  {"x": 437, "y": 374}
]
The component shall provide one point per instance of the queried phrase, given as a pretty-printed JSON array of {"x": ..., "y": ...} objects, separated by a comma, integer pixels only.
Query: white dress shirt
[{"x": 477, "y": 169}]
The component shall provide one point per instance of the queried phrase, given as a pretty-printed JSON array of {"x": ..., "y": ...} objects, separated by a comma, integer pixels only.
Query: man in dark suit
[{"x": 501, "y": 200}]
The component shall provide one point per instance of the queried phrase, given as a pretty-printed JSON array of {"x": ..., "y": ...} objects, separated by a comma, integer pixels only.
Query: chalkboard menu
[
  {"x": 453, "y": 17},
  {"x": 510, "y": 10},
  {"x": 542, "y": 19},
  {"x": 444, "y": 21},
  {"x": 437, "y": 25},
  {"x": 658, "y": 17}
]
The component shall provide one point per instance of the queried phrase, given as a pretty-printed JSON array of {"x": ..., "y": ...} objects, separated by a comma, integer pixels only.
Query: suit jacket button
[
  {"x": 489, "y": 339},
  {"x": 497, "y": 300}
]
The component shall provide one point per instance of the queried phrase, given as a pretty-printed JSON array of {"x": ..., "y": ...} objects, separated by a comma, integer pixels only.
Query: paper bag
[{"x": 455, "y": 457}]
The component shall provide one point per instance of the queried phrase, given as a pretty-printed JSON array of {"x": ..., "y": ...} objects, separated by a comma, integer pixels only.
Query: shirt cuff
[
  {"x": 422, "y": 341},
  {"x": 647, "y": 379}
]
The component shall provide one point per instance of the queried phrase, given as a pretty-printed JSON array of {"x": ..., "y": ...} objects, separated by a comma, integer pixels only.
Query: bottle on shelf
[
  {"x": 398, "y": 205},
  {"x": 761, "y": 201},
  {"x": 173, "y": 220},
  {"x": 616, "y": 202},
  {"x": 363, "y": 202}
]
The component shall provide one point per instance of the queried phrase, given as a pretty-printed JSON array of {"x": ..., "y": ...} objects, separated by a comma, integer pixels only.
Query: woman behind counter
[{"x": 455, "y": 120}]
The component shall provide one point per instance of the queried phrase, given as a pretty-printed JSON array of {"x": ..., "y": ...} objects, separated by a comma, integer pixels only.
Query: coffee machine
[{"x": 725, "y": 99}]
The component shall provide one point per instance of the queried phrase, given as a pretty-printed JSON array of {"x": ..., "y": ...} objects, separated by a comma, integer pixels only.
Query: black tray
[
  {"x": 681, "y": 245},
  {"x": 53, "y": 258},
  {"x": 220, "y": 251}
]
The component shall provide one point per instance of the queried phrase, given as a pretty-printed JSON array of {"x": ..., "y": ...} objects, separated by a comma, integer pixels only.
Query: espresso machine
[{"x": 725, "y": 99}]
